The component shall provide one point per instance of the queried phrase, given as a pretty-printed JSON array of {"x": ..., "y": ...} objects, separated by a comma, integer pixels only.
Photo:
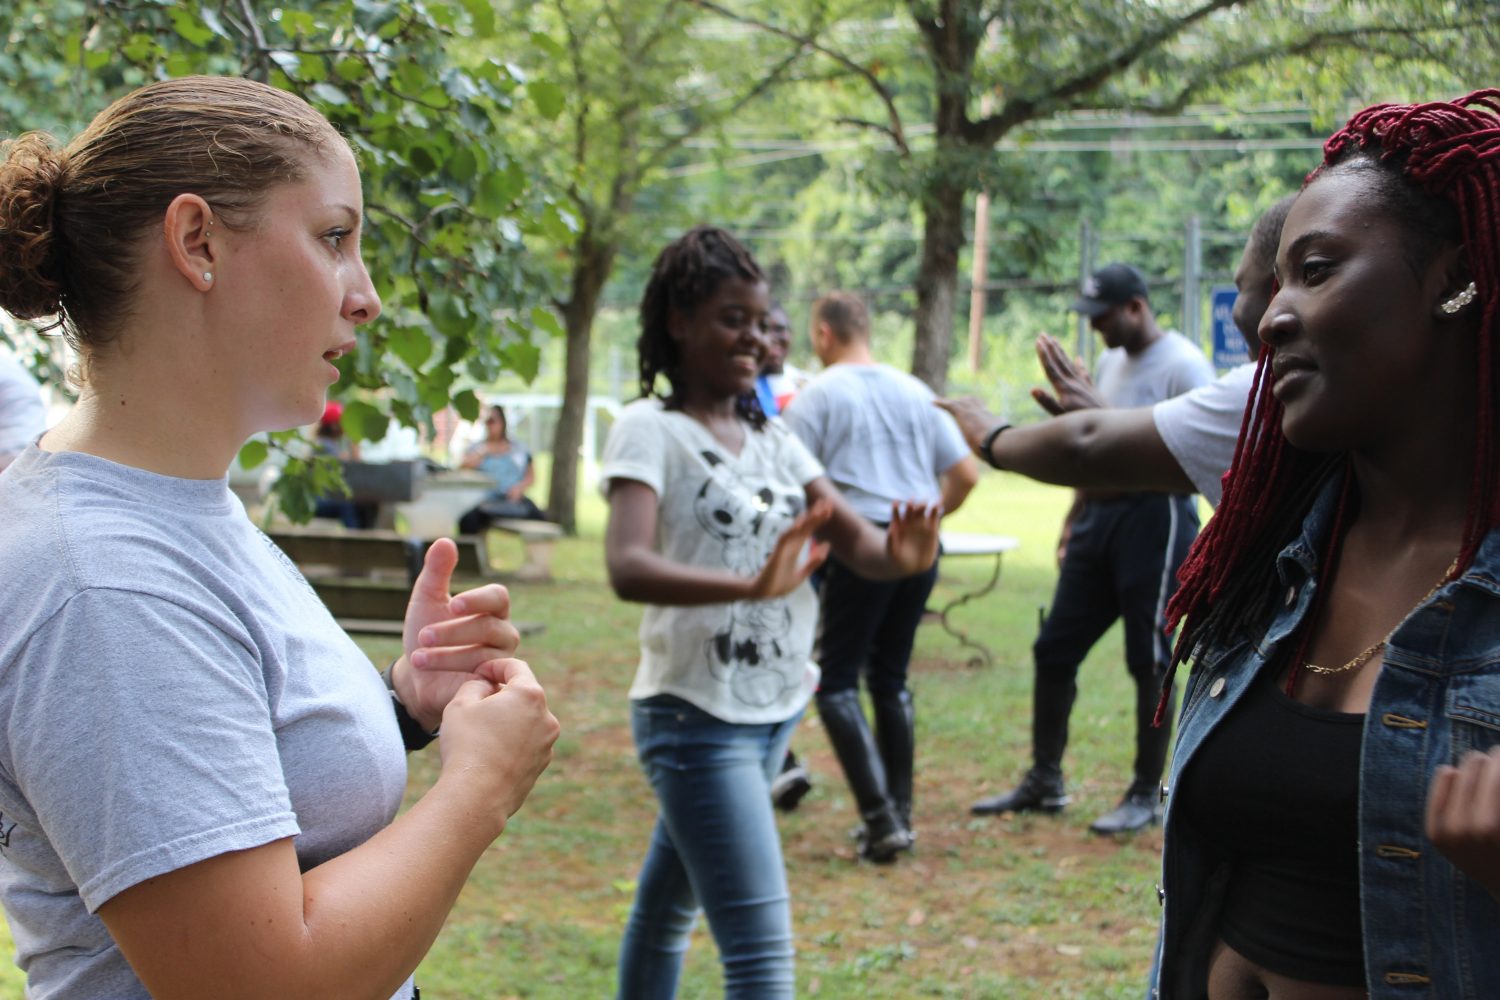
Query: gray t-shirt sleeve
[
  {"x": 801, "y": 464},
  {"x": 1200, "y": 428},
  {"x": 949, "y": 445},
  {"x": 803, "y": 416},
  {"x": 133, "y": 780}
]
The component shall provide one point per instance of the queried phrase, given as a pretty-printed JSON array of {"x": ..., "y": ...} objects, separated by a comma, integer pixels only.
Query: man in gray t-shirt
[
  {"x": 882, "y": 441},
  {"x": 1121, "y": 553}
]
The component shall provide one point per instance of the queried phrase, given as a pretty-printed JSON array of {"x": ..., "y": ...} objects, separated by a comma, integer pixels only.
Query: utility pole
[
  {"x": 1192, "y": 270},
  {"x": 979, "y": 278},
  {"x": 1085, "y": 269}
]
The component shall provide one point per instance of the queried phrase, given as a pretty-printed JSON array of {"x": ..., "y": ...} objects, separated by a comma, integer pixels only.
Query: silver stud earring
[
  {"x": 1458, "y": 301},
  {"x": 208, "y": 276}
]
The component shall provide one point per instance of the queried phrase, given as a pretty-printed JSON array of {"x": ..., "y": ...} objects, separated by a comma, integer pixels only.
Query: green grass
[{"x": 1015, "y": 907}]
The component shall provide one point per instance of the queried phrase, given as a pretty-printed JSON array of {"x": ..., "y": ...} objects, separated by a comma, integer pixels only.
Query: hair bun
[{"x": 31, "y": 171}]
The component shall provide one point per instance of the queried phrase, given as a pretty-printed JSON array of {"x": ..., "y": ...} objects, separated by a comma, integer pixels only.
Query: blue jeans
[{"x": 715, "y": 845}]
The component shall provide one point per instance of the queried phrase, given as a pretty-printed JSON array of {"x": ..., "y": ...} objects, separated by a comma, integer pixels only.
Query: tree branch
[
  {"x": 1215, "y": 72},
  {"x": 894, "y": 129},
  {"x": 873, "y": 126},
  {"x": 766, "y": 82},
  {"x": 1016, "y": 110}
]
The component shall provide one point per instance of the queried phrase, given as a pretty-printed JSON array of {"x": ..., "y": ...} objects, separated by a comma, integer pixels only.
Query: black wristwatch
[
  {"x": 986, "y": 446},
  {"x": 413, "y": 736}
]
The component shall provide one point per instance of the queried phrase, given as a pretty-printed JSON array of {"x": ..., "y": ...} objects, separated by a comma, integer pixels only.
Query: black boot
[
  {"x": 1037, "y": 792},
  {"x": 843, "y": 718},
  {"x": 1042, "y": 790},
  {"x": 896, "y": 735},
  {"x": 1141, "y": 806}
]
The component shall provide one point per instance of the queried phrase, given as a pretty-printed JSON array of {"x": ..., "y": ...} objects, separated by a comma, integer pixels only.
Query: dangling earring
[{"x": 1458, "y": 301}]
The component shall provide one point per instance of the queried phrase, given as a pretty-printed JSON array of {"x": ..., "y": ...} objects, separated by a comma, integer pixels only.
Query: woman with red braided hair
[{"x": 1333, "y": 829}]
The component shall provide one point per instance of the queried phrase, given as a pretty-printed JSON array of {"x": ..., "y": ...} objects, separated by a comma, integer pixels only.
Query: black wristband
[
  {"x": 413, "y": 736},
  {"x": 986, "y": 447}
]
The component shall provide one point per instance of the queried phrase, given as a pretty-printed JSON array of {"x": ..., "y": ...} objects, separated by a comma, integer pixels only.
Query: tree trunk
[
  {"x": 937, "y": 282},
  {"x": 593, "y": 261}
]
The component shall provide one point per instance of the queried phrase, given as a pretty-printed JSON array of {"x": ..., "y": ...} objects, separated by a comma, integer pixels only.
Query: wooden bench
[
  {"x": 365, "y": 577},
  {"x": 538, "y": 539}
]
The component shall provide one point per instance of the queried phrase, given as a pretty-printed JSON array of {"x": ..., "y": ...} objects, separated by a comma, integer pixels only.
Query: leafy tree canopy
[{"x": 450, "y": 205}]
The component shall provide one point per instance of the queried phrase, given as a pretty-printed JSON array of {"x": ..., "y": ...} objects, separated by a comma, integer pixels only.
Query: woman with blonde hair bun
[{"x": 200, "y": 772}]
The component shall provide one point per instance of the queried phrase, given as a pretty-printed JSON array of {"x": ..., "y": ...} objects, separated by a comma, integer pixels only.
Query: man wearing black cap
[{"x": 1121, "y": 553}]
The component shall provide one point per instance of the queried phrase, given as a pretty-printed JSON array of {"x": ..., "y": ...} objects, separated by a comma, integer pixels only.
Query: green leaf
[
  {"x": 497, "y": 189},
  {"x": 94, "y": 59},
  {"x": 548, "y": 98},
  {"x": 482, "y": 16},
  {"x": 559, "y": 224},
  {"x": 186, "y": 24},
  {"x": 351, "y": 69},
  {"x": 411, "y": 344},
  {"x": 362, "y": 422},
  {"x": 254, "y": 452},
  {"x": 312, "y": 68},
  {"x": 467, "y": 404},
  {"x": 422, "y": 160},
  {"x": 329, "y": 94},
  {"x": 551, "y": 46},
  {"x": 463, "y": 164},
  {"x": 211, "y": 21},
  {"x": 525, "y": 358},
  {"x": 139, "y": 48},
  {"x": 543, "y": 318}
]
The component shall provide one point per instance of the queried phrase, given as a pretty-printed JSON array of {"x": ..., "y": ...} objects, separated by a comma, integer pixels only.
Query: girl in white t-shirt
[{"x": 712, "y": 509}]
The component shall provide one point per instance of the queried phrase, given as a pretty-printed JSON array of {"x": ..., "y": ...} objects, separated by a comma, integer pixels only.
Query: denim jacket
[{"x": 1429, "y": 931}]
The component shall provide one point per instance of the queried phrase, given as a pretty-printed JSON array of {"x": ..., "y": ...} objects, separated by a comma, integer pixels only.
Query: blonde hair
[{"x": 72, "y": 219}]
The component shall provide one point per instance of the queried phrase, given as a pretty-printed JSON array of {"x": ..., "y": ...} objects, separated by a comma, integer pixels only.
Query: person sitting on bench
[{"x": 508, "y": 465}]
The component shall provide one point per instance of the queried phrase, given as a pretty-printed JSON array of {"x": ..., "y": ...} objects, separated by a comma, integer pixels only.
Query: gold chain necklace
[{"x": 1369, "y": 651}]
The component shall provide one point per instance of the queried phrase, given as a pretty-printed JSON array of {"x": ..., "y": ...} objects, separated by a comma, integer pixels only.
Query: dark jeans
[
  {"x": 868, "y": 624},
  {"x": 476, "y": 519},
  {"x": 1121, "y": 563}
]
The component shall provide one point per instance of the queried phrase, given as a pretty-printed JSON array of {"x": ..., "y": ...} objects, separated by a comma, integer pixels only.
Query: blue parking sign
[{"x": 1229, "y": 344}]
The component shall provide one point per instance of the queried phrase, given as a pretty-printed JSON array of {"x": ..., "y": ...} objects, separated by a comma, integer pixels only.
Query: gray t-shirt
[
  {"x": 23, "y": 415},
  {"x": 1200, "y": 428},
  {"x": 171, "y": 689},
  {"x": 877, "y": 432},
  {"x": 1169, "y": 367}
]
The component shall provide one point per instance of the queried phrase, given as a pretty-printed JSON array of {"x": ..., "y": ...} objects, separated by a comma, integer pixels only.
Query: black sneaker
[
  {"x": 1033, "y": 794},
  {"x": 789, "y": 787}
]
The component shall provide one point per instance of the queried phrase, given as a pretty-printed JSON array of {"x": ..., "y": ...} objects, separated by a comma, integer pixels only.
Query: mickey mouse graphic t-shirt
[{"x": 745, "y": 661}]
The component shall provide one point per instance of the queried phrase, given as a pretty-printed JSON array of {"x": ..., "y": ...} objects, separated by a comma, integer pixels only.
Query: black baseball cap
[{"x": 1110, "y": 286}]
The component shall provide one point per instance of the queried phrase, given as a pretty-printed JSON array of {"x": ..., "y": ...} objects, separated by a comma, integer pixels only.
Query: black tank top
[{"x": 1275, "y": 789}]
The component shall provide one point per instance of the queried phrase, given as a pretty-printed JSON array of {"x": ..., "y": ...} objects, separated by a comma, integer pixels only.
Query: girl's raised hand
[
  {"x": 785, "y": 570},
  {"x": 911, "y": 541}
]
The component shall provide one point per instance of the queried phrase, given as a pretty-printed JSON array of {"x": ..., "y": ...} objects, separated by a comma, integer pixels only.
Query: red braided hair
[{"x": 1449, "y": 151}]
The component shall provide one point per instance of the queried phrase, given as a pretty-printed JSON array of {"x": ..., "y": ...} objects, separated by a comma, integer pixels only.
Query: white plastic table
[{"x": 961, "y": 545}]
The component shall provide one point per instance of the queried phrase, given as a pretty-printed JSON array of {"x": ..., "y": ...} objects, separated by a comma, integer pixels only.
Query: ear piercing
[
  {"x": 208, "y": 231},
  {"x": 1458, "y": 301}
]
